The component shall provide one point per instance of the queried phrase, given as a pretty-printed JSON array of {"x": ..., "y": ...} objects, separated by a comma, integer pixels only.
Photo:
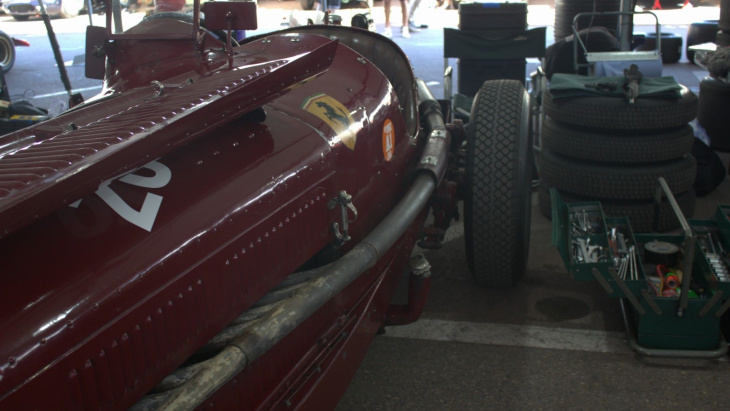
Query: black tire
[
  {"x": 7, "y": 52},
  {"x": 614, "y": 113},
  {"x": 713, "y": 112},
  {"x": 671, "y": 47},
  {"x": 620, "y": 182},
  {"x": 616, "y": 148},
  {"x": 306, "y": 4},
  {"x": 566, "y": 10},
  {"x": 699, "y": 33},
  {"x": 722, "y": 38},
  {"x": 637, "y": 40},
  {"x": 497, "y": 201},
  {"x": 21, "y": 18},
  {"x": 175, "y": 15},
  {"x": 639, "y": 213}
]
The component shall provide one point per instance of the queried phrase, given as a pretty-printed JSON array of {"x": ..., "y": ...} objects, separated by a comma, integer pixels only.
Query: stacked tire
[
  {"x": 714, "y": 107},
  {"x": 605, "y": 149},
  {"x": 671, "y": 46},
  {"x": 566, "y": 10}
]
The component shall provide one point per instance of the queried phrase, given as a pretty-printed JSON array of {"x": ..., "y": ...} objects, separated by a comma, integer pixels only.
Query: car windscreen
[{"x": 126, "y": 19}]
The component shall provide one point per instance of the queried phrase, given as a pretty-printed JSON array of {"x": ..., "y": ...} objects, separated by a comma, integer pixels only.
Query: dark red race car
[{"x": 224, "y": 226}]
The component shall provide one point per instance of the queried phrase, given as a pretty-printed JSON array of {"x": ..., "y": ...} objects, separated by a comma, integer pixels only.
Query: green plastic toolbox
[{"x": 673, "y": 289}]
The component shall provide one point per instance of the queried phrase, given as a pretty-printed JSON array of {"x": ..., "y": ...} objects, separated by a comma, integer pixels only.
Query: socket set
[
  {"x": 711, "y": 246},
  {"x": 585, "y": 225},
  {"x": 623, "y": 254}
]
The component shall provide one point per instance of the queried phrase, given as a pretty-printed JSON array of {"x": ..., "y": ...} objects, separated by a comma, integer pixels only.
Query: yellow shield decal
[{"x": 335, "y": 115}]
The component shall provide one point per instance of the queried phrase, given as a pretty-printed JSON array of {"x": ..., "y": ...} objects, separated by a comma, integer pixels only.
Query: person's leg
[
  {"x": 411, "y": 17},
  {"x": 404, "y": 17},
  {"x": 404, "y": 12},
  {"x": 386, "y": 8}
]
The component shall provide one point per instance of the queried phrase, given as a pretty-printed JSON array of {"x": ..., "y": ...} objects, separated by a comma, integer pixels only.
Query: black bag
[
  {"x": 710, "y": 170},
  {"x": 24, "y": 108}
]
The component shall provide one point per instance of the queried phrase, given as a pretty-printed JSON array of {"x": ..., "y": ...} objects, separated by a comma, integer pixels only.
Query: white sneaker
[
  {"x": 405, "y": 33},
  {"x": 388, "y": 33}
]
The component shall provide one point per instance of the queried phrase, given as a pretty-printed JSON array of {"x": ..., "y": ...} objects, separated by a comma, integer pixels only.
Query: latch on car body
[{"x": 345, "y": 202}]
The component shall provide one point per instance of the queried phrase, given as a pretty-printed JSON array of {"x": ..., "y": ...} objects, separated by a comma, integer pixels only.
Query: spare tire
[
  {"x": 616, "y": 148},
  {"x": 566, "y": 10},
  {"x": 615, "y": 113},
  {"x": 699, "y": 33},
  {"x": 637, "y": 182}
]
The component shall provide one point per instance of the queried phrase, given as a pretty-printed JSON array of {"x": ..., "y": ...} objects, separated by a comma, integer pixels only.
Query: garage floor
[{"x": 548, "y": 343}]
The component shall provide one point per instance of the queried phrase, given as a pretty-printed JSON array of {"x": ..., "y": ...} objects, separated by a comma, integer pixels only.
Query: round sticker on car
[{"x": 388, "y": 140}]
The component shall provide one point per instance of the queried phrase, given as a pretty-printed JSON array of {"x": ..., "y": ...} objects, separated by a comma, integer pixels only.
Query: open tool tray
[
  {"x": 579, "y": 232},
  {"x": 596, "y": 248},
  {"x": 714, "y": 247},
  {"x": 672, "y": 289}
]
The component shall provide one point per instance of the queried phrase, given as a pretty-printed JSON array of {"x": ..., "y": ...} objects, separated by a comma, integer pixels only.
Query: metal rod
[
  {"x": 90, "y": 11},
  {"x": 650, "y": 301},
  {"x": 116, "y": 12},
  {"x": 602, "y": 281},
  {"x": 713, "y": 301},
  {"x": 627, "y": 292},
  {"x": 56, "y": 49},
  {"x": 688, "y": 245},
  {"x": 723, "y": 308}
]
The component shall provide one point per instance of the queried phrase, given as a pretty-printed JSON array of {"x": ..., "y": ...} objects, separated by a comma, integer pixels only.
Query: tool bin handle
[{"x": 688, "y": 244}]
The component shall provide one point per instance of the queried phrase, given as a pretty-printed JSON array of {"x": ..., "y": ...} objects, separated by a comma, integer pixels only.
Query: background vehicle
[
  {"x": 231, "y": 228},
  {"x": 25, "y": 9},
  {"x": 309, "y": 4},
  {"x": 7, "y": 50}
]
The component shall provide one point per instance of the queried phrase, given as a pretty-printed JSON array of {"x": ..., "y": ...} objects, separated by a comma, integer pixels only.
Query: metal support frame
[
  {"x": 625, "y": 53},
  {"x": 720, "y": 351}
]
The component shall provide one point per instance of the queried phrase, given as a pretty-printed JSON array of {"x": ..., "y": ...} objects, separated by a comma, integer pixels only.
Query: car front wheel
[{"x": 498, "y": 197}]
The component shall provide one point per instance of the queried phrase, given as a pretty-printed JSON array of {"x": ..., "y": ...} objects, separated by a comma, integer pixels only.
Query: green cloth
[{"x": 564, "y": 86}]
